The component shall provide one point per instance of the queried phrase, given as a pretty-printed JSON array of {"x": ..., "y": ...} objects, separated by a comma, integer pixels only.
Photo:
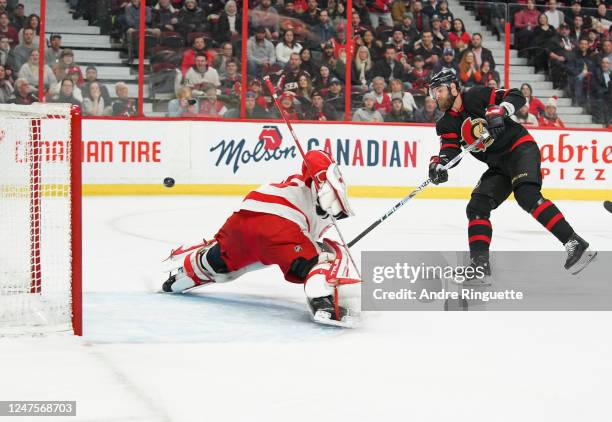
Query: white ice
[{"x": 246, "y": 351}]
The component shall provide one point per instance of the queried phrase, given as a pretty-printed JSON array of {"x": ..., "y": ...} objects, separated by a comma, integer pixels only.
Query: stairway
[
  {"x": 520, "y": 72},
  {"x": 90, "y": 48}
]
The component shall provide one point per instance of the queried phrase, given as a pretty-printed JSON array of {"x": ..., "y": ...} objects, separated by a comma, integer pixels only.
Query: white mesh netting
[{"x": 35, "y": 218}]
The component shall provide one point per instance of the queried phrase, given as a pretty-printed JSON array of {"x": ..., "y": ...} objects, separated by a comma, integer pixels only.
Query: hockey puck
[
  {"x": 608, "y": 205},
  {"x": 168, "y": 182}
]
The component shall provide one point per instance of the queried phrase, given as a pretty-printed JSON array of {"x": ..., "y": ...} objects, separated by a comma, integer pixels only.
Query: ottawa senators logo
[{"x": 472, "y": 130}]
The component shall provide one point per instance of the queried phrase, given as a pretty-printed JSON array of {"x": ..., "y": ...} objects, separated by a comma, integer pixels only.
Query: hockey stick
[
  {"x": 303, "y": 154},
  {"x": 412, "y": 194}
]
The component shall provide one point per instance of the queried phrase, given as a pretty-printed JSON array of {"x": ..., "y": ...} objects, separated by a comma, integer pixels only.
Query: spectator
[
  {"x": 524, "y": 117},
  {"x": 536, "y": 107},
  {"x": 358, "y": 27},
  {"x": 201, "y": 76},
  {"x": 429, "y": 113},
  {"x": 231, "y": 78},
  {"x": 223, "y": 57},
  {"x": 23, "y": 93},
  {"x": 265, "y": 17},
  {"x": 287, "y": 46},
  {"x": 374, "y": 46},
  {"x": 444, "y": 13},
  {"x": 5, "y": 50},
  {"x": 21, "y": 53},
  {"x": 132, "y": 22},
  {"x": 123, "y": 106},
  {"x": 229, "y": 25},
  {"x": 561, "y": 51},
  {"x": 602, "y": 91},
  {"x": 190, "y": 18},
  {"x": 362, "y": 67},
  {"x": 420, "y": 19},
  {"x": 198, "y": 47},
  {"x": 288, "y": 105},
  {"x": 54, "y": 52},
  {"x": 322, "y": 80},
  {"x": 439, "y": 33},
  {"x": 368, "y": 113},
  {"x": 469, "y": 72},
  {"x": 288, "y": 80},
  {"x": 525, "y": 22},
  {"x": 431, "y": 8},
  {"x": 306, "y": 62},
  {"x": 210, "y": 104},
  {"x": 304, "y": 90},
  {"x": 311, "y": 16},
  {"x": 580, "y": 68},
  {"x": 419, "y": 77},
  {"x": 603, "y": 16},
  {"x": 577, "y": 12},
  {"x": 458, "y": 33},
  {"x": 260, "y": 52},
  {"x": 183, "y": 104},
  {"x": 487, "y": 74},
  {"x": 94, "y": 103},
  {"x": 8, "y": 30},
  {"x": 542, "y": 38},
  {"x": 383, "y": 101},
  {"x": 19, "y": 18},
  {"x": 606, "y": 51},
  {"x": 555, "y": 16},
  {"x": 32, "y": 22},
  {"x": 430, "y": 52},
  {"x": 29, "y": 72},
  {"x": 389, "y": 66},
  {"x": 594, "y": 41},
  {"x": 399, "y": 41},
  {"x": 335, "y": 97},
  {"x": 447, "y": 62},
  {"x": 320, "y": 110},
  {"x": 409, "y": 29},
  {"x": 322, "y": 32},
  {"x": 255, "y": 86},
  {"x": 164, "y": 17},
  {"x": 577, "y": 29},
  {"x": 66, "y": 93},
  {"x": 481, "y": 54},
  {"x": 396, "y": 87},
  {"x": 550, "y": 118},
  {"x": 328, "y": 57},
  {"x": 6, "y": 87},
  {"x": 91, "y": 76},
  {"x": 398, "y": 113},
  {"x": 254, "y": 110},
  {"x": 380, "y": 12}
]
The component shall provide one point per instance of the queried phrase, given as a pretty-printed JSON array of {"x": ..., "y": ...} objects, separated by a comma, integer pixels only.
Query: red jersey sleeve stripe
[
  {"x": 522, "y": 140},
  {"x": 492, "y": 98},
  {"x": 449, "y": 136},
  {"x": 450, "y": 146}
]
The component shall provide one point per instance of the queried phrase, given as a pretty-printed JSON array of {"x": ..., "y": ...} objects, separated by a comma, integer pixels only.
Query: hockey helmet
[{"x": 444, "y": 77}]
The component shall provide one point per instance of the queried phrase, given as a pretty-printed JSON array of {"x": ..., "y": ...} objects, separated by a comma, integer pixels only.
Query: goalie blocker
[{"x": 280, "y": 224}]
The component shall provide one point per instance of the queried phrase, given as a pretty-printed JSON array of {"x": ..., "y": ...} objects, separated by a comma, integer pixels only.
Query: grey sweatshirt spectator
[{"x": 367, "y": 113}]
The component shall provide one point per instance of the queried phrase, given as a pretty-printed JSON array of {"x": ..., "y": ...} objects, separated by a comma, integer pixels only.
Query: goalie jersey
[{"x": 467, "y": 123}]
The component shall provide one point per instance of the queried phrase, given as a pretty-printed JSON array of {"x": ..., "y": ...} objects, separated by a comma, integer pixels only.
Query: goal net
[{"x": 40, "y": 229}]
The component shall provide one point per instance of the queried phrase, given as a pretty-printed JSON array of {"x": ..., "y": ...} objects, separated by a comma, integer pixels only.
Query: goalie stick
[
  {"x": 422, "y": 186},
  {"x": 303, "y": 154}
]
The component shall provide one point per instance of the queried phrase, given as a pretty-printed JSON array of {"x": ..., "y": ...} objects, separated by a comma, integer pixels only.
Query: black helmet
[{"x": 444, "y": 77}]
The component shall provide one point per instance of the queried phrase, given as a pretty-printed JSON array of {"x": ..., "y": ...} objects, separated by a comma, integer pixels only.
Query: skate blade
[
  {"x": 587, "y": 257},
  {"x": 348, "y": 321},
  {"x": 477, "y": 282}
]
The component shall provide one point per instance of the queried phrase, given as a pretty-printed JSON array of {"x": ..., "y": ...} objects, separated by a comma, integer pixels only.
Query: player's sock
[
  {"x": 552, "y": 219},
  {"x": 480, "y": 232}
]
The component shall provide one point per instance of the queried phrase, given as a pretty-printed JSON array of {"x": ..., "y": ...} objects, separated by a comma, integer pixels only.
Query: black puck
[
  {"x": 168, "y": 182},
  {"x": 608, "y": 205}
]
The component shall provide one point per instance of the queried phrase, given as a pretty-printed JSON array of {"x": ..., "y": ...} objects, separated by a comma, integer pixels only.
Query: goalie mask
[{"x": 329, "y": 188}]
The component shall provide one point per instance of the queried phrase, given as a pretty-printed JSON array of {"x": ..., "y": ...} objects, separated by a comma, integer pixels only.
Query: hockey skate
[
  {"x": 324, "y": 311},
  {"x": 578, "y": 254},
  {"x": 479, "y": 261}
]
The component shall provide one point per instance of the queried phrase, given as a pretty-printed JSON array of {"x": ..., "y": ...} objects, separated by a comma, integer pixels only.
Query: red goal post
[{"x": 40, "y": 219}]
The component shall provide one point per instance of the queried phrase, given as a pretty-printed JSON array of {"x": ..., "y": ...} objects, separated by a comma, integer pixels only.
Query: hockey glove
[
  {"x": 329, "y": 201},
  {"x": 495, "y": 120},
  {"x": 436, "y": 172}
]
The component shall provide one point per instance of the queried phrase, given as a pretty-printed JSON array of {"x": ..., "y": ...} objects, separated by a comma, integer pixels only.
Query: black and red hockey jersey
[{"x": 457, "y": 125}]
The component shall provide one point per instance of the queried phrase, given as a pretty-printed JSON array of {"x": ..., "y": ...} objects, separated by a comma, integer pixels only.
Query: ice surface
[{"x": 246, "y": 351}]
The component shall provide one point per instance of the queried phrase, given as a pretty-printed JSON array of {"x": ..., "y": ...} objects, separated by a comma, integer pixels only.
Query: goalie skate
[{"x": 350, "y": 320}]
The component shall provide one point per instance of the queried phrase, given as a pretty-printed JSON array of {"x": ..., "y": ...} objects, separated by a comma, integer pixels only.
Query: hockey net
[{"x": 40, "y": 229}]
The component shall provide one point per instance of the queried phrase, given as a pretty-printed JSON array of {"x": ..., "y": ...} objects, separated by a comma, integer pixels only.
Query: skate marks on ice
[{"x": 142, "y": 317}]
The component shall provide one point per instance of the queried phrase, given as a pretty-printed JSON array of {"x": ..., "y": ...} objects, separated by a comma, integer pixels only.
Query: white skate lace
[{"x": 570, "y": 246}]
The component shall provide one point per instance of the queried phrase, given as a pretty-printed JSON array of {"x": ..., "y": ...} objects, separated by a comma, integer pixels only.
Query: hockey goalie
[{"x": 281, "y": 224}]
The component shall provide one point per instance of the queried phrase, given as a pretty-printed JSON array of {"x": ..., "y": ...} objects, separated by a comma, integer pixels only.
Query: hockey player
[
  {"x": 512, "y": 156},
  {"x": 280, "y": 224}
]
